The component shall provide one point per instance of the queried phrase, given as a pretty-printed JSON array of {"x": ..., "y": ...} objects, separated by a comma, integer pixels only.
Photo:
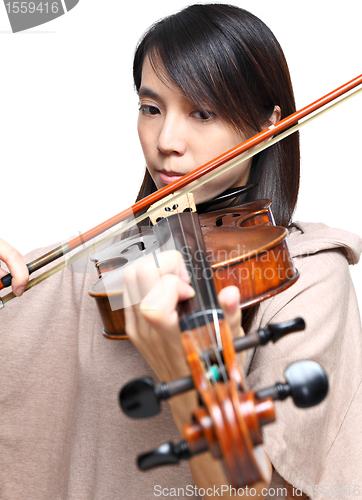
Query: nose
[{"x": 172, "y": 136}]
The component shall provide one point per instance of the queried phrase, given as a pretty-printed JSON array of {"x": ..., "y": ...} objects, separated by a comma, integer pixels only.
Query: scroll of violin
[{"x": 229, "y": 418}]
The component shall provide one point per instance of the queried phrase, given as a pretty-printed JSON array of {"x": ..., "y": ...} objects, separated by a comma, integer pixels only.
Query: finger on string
[
  {"x": 140, "y": 278},
  {"x": 159, "y": 306},
  {"x": 229, "y": 299},
  {"x": 17, "y": 267}
]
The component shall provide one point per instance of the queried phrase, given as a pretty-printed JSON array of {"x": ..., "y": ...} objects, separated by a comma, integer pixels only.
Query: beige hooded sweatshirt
[{"x": 63, "y": 436}]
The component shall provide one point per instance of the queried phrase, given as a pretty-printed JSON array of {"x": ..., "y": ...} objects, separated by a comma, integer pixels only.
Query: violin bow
[{"x": 198, "y": 177}]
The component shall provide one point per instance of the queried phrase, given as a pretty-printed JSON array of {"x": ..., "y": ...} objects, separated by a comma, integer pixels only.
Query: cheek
[
  {"x": 141, "y": 131},
  {"x": 219, "y": 142},
  {"x": 145, "y": 139}
]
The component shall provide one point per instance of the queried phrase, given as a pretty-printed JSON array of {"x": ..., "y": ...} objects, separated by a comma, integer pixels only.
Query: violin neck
[{"x": 182, "y": 232}]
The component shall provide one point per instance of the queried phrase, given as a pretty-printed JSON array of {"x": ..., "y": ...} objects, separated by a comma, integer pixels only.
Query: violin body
[{"x": 243, "y": 248}]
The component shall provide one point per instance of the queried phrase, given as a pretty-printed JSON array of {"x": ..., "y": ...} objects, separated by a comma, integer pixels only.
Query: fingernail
[{"x": 19, "y": 291}]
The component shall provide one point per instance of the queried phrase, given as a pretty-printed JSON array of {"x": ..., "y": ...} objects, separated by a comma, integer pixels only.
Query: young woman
[{"x": 207, "y": 78}]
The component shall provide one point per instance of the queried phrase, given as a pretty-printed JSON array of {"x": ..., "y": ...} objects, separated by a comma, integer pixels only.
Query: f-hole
[
  {"x": 139, "y": 244},
  {"x": 219, "y": 221}
]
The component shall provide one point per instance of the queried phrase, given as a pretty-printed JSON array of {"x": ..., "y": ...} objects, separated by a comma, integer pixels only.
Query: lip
[{"x": 168, "y": 177}]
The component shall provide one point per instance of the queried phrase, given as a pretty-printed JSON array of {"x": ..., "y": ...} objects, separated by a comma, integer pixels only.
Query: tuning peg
[
  {"x": 140, "y": 398},
  {"x": 166, "y": 454},
  {"x": 271, "y": 333},
  {"x": 274, "y": 332},
  {"x": 307, "y": 384}
]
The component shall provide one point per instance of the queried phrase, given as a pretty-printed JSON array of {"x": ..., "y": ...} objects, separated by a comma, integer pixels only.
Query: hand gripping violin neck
[{"x": 229, "y": 418}]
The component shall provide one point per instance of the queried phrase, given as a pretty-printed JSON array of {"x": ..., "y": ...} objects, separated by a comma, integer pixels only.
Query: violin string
[
  {"x": 212, "y": 335},
  {"x": 201, "y": 305},
  {"x": 198, "y": 298},
  {"x": 198, "y": 183}
]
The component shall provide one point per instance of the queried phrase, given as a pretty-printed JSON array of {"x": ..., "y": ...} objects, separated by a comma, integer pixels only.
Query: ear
[{"x": 273, "y": 118}]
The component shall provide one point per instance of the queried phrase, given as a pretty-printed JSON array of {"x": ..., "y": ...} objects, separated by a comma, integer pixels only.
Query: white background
[{"x": 69, "y": 151}]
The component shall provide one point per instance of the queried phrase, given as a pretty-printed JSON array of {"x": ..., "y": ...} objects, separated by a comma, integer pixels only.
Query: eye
[
  {"x": 203, "y": 115},
  {"x": 149, "y": 110}
]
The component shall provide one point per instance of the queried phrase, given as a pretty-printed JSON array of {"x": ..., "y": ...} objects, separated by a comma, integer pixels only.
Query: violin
[
  {"x": 257, "y": 260},
  {"x": 228, "y": 421}
]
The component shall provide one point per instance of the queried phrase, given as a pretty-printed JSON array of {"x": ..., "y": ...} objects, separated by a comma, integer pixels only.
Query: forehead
[{"x": 156, "y": 85}]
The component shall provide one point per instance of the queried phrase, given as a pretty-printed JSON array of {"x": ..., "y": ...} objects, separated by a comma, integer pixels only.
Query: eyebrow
[{"x": 147, "y": 92}]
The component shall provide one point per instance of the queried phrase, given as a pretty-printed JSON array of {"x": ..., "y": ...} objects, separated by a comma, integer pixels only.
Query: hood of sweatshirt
[{"x": 306, "y": 238}]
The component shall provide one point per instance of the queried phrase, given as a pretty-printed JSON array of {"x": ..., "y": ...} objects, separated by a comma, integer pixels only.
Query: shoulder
[
  {"x": 308, "y": 238},
  {"x": 322, "y": 256},
  {"x": 323, "y": 295}
]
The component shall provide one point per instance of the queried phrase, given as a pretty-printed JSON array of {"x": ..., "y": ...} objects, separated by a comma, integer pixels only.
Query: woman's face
[{"x": 177, "y": 137}]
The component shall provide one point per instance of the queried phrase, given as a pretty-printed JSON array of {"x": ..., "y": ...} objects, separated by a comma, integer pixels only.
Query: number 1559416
[{"x": 32, "y": 7}]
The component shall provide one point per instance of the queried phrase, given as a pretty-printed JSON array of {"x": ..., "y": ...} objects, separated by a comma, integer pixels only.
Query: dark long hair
[{"x": 224, "y": 58}]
